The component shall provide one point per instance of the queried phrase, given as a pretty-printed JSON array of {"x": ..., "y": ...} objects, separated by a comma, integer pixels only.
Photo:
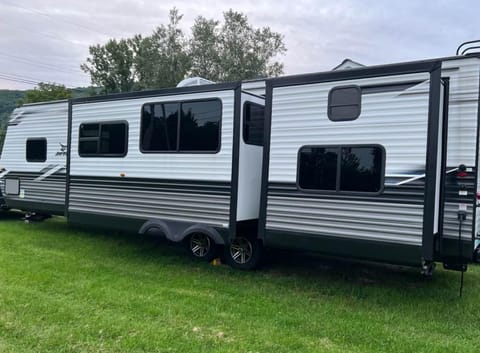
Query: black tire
[
  {"x": 201, "y": 247},
  {"x": 476, "y": 256},
  {"x": 243, "y": 253}
]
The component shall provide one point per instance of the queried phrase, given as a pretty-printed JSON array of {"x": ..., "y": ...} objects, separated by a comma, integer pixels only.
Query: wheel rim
[
  {"x": 200, "y": 244},
  {"x": 241, "y": 250}
]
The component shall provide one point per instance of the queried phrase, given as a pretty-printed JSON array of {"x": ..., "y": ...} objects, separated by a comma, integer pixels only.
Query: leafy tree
[
  {"x": 205, "y": 49},
  {"x": 236, "y": 50},
  {"x": 232, "y": 50},
  {"x": 45, "y": 92},
  {"x": 111, "y": 66},
  {"x": 161, "y": 60}
]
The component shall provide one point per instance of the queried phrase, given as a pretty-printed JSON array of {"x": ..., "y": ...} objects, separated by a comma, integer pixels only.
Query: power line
[
  {"x": 47, "y": 35},
  {"x": 38, "y": 63},
  {"x": 26, "y": 79},
  {"x": 38, "y": 12},
  {"x": 6, "y": 78}
]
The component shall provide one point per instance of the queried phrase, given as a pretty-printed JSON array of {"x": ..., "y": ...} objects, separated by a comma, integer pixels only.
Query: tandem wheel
[
  {"x": 243, "y": 253},
  {"x": 200, "y": 246}
]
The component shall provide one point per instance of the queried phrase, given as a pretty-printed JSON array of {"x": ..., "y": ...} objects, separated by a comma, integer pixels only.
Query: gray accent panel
[
  {"x": 347, "y": 216},
  {"x": 173, "y": 200},
  {"x": 48, "y": 191}
]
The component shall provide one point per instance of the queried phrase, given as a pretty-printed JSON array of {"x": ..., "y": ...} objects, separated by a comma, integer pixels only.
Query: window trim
[
  {"x": 337, "y": 190},
  {"x": 178, "y": 151},
  {"x": 46, "y": 150},
  {"x": 98, "y": 138},
  {"x": 244, "y": 123},
  {"x": 329, "y": 104}
]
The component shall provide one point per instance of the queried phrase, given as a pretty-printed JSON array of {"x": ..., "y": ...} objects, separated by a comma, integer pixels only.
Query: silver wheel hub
[
  {"x": 241, "y": 250},
  {"x": 200, "y": 244}
]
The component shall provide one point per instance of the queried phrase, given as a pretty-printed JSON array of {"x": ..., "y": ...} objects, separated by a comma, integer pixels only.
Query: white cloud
[{"x": 318, "y": 34}]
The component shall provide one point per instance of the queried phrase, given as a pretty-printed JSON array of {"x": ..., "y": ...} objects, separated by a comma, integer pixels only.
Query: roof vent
[{"x": 194, "y": 81}]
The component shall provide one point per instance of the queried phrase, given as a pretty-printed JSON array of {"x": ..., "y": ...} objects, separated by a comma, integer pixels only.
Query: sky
[{"x": 47, "y": 40}]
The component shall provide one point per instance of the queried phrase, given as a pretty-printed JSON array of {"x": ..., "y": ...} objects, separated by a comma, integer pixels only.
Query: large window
[
  {"x": 36, "y": 150},
  {"x": 106, "y": 139},
  {"x": 188, "y": 126},
  {"x": 341, "y": 168},
  {"x": 344, "y": 103},
  {"x": 253, "y": 123}
]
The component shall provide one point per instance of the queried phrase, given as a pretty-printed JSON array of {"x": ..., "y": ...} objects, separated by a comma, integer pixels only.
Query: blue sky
[{"x": 47, "y": 40}]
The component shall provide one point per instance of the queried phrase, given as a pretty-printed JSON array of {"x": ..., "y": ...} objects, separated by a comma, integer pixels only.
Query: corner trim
[
  {"x": 428, "y": 242},
  {"x": 237, "y": 117}
]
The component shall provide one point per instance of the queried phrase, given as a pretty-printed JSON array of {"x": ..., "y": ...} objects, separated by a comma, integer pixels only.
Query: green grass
[{"x": 64, "y": 289}]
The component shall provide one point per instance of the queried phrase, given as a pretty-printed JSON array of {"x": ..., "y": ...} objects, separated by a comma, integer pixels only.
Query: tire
[
  {"x": 476, "y": 256},
  {"x": 200, "y": 246},
  {"x": 243, "y": 253}
]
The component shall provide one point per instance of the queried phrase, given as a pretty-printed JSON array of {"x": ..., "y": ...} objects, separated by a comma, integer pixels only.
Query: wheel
[
  {"x": 476, "y": 255},
  {"x": 244, "y": 253},
  {"x": 202, "y": 247}
]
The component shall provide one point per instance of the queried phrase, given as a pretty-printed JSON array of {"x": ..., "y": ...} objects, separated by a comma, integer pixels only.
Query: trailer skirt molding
[{"x": 399, "y": 254}]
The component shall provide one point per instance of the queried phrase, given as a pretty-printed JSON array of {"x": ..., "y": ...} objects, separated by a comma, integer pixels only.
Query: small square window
[
  {"x": 344, "y": 103},
  {"x": 36, "y": 150}
]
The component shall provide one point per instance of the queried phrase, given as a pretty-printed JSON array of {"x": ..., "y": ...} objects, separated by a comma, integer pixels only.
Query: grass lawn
[{"x": 64, "y": 289}]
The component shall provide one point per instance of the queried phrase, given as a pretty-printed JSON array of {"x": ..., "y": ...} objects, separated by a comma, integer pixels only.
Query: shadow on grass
[{"x": 281, "y": 267}]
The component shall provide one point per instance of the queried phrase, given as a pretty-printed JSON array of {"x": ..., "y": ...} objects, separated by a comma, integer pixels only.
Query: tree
[
  {"x": 205, "y": 49},
  {"x": 111, "y": 66},
  {"x": 161, "y": 60},
  {"x": 45, "y": 92},
  {"x": 234, "y": 50}
]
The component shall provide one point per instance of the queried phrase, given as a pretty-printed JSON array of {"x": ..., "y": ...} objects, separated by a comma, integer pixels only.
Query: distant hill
[
  {"x": 8, "y": 102},
  {"x": 9, "y": 98}
]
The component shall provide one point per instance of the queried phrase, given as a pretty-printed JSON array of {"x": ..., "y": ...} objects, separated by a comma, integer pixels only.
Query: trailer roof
[
  {"x": 159, "y": 92},
  {"x": 365, "y": 71}
]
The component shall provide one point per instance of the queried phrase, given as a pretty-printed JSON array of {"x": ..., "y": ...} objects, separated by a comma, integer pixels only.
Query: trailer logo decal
[{"x": 62, "y": 152}]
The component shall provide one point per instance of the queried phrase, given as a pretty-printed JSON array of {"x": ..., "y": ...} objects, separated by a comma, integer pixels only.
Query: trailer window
[
  {"x": 341, "y": 168},
  {"x": 106, "y": 139},
  {"x": 344, "y": 103},
  {"x": 159, "y": 127},
  {"x": 200, "y": 126},
  {"x": 253, "y": 120},
  {"x": 186, "y": 126},
  {"x": 318, "y": 168},
  {"x": 361, "y": 169},
  {"x": 36, "y": 150}
]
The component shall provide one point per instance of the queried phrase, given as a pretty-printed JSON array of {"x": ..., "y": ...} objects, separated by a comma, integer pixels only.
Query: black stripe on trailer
[
  {"x": 262, "y": 220},
  {"x": 474, "y": 221},
  {"x": 443, "y": 168},
  {"x": 357, "y": 73},
  {"x": 161, "y": 92},
  {"x": 431, "y": 163},
  {"x": 235, "y": 161},
  {"x": 69, "y": 153}
]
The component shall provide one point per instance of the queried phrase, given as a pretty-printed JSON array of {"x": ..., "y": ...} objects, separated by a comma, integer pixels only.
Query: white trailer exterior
[
  {"x": 181, "y": 191},
  {"x": 421, "y": 121},
  {"x": 377, "y": 163},
  {"x": 34, "y": 158}
]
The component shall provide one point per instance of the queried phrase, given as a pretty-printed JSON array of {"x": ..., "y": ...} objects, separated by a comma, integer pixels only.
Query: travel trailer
[{"x": 377, "y": 163}]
